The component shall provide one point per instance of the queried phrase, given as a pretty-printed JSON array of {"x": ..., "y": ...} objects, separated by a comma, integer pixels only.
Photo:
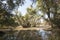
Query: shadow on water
[
  {"x": 33, "y": 35},
  {"x": 2, "y": 34}
]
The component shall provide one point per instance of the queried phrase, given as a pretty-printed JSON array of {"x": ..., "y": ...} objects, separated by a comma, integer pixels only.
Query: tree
[
  {"x": 6, "y": 7},
  {"x": 9, "y": 5},
  {"x": 48, "y": 7},
  {"x": 29, "y": 19},
  {"x": 33, "y": 16}
]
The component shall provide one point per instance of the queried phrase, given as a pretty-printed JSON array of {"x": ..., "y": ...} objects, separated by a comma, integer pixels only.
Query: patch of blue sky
[{"x": 23, "y": 8}]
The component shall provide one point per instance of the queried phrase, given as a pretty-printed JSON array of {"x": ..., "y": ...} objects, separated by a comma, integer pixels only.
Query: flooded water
[{"x": 33, "y": 35}]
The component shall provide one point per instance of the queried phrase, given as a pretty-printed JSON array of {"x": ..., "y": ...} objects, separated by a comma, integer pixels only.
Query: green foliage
[
  {"x": 6, "y": 19},
  {"x": 10, "y": 4},
  {"x": 29, "y": 19},
  {"x": 50, "y": 6},
  {"x": 6, "y": 7}
]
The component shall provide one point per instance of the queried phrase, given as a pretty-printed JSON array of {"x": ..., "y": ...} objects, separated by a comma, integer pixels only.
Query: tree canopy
[
  {"x": 49, "y": 7},
  {"x": 6, "y": 7}
]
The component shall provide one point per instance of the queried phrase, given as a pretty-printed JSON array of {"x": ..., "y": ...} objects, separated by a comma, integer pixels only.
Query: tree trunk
[{"x": 48, "y": 13}]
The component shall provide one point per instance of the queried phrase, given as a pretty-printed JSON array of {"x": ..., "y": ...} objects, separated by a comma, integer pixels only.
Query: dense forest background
[{"x": 51, "y": 8}]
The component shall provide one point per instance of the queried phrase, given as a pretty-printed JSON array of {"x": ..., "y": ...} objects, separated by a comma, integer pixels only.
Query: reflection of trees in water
[
  {"x": 23, "y": 35},
  {"x": 56, "y": 34},
  {"x": 32, "y": 35},
  {"x": 28, "y": 35},
  {"x": 10, "y": 37}
]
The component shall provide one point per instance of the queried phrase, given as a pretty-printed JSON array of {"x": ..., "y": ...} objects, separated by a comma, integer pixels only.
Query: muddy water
[{"x": 33, "y": 35}]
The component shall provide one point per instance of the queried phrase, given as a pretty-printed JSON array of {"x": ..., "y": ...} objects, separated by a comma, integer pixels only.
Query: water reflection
[
  {"x": 44, "y": 34},
  {"x": 33, "y": 35}
]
